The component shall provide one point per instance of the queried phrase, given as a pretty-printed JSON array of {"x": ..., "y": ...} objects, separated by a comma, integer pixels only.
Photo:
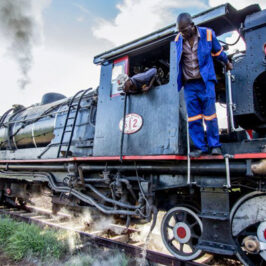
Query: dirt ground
[{"x": 5, "y": 261}]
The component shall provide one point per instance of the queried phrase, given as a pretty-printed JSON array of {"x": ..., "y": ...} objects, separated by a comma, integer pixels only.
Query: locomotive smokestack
[{"x": 19, "y": 27}]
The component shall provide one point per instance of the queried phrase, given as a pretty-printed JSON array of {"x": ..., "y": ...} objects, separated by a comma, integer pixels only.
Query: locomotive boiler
[{"x": 126, "y": 155}]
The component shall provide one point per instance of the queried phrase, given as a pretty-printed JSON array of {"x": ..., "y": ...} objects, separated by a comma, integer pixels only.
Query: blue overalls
[{"x": 200, "y": 94}]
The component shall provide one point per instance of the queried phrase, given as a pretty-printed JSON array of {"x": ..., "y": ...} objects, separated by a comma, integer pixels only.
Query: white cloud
[
  {"x": 82, "y": 8},
  {"x": 54, "y": 71},
  {"x": 139, "y": 17},
  {"x": 240, "y": 46},
  {"x": 37, "y": 12},
  {"x": 238, "y": 4},
  {"x": 80, "y": 19}
]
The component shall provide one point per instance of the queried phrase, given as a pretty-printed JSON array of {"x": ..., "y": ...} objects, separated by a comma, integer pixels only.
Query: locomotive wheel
[
  {"x": 248, "y": 224},
  {"x": 181, "y": 229}
]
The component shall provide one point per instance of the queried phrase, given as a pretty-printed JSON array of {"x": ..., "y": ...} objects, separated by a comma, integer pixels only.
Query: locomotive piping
[
  {"x": 198, "y": 168},
  {"x": 238, "y": 168},
  {"x": 110, "y": 200},
  {"x": 85, "y": 198}
]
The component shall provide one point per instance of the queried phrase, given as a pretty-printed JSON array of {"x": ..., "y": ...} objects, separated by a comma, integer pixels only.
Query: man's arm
[
  {"x": 218, "y": 53},
  {"x": 146, "y": 88}
]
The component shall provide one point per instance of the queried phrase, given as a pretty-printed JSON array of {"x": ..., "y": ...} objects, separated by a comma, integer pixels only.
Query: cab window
[{"x": 120, "y": 66}]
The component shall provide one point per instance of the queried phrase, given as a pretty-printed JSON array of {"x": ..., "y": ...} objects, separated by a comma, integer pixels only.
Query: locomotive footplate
[{"x": 215, "y": 214}]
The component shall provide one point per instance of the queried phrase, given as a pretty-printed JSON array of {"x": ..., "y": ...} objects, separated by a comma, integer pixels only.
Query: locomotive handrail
[
  {"x": 123, "y": 128},
  {"x": 230, "y": 100},
  {"x": 65, "y": 124},
  {"x": 188, "y": 156},
  {"x": 75, "y": 120}
]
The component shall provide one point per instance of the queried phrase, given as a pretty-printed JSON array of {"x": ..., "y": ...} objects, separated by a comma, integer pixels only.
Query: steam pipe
[
  {"x": 129, "y": 187},
  {"x": 123, "y": 180},
  {"x": 198, "y": 168},
  {"x": 94, "y": 180},
  {"x": 115, "y": 202},
  {"x": 181, "y": 168},
  {"x": 71, "y": 191},
  {"x": 34, "y": 167}
]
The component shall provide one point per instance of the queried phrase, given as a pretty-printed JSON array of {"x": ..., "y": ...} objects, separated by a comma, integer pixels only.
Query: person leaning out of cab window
[{"x": 141, "y": 82}]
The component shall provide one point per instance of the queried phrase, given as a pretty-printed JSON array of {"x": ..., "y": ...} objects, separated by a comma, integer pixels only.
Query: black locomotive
[{"x": 127, "y": 155}]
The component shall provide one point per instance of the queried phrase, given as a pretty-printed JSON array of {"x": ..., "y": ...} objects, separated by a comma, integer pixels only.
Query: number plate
[{"x": 133, "y": 123}]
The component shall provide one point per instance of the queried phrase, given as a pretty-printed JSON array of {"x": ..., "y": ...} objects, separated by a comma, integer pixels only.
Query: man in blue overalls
[{"x": 195, "y": 48}]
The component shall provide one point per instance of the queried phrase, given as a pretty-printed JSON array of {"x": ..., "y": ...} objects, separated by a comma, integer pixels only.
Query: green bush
[
  {"x": 22, "y": 241},
  {"x": 19, "y": 240},
  {"x": 7, "y": 227}
]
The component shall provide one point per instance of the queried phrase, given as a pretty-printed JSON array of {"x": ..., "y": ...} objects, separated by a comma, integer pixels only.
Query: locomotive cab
[
  {"x": 157, "y": 112},
  {"x": 162, "y": 113}
]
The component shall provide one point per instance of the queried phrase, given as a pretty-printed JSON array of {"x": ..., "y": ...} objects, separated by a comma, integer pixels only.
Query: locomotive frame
[{"x": 75, "y": 148}]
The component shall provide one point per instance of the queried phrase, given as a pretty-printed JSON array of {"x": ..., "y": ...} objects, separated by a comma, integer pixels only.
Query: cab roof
[{"x": 222, "y": 19}]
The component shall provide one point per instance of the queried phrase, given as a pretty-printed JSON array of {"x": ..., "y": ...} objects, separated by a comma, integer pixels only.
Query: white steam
[{"x": 21, "y": 27}]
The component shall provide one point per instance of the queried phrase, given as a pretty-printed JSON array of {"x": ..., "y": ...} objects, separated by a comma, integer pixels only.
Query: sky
[{"x": 49, "y": 45}]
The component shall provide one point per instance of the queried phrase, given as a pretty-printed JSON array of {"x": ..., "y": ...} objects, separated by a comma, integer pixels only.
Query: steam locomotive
[{"x": 126, "y": 155}]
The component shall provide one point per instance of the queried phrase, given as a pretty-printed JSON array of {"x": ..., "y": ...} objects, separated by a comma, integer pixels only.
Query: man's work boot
[
  {"x": 196, "y": 153},
  {"x": 216, "y": 151}
]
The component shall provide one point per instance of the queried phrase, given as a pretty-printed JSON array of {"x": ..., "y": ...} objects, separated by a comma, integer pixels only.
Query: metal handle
[{"x": 230, "y": 100}]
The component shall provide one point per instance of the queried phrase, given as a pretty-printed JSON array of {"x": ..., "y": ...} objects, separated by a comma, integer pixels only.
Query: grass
[
  {"x": 19, "y": 240},
  {"x": 108, "y": 258}
]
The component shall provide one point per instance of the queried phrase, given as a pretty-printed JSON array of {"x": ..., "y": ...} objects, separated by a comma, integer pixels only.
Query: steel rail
[{"x": 129, "y": 249}]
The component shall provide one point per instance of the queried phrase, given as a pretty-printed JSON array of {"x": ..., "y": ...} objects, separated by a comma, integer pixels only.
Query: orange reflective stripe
[
  {"x": 218, "y": 53},
  {"x": 209, "y": 35},
  {"x": 194, "y": 118},
  {"x": 177, "y": 37},
  {"x": 210, "y": 117}
]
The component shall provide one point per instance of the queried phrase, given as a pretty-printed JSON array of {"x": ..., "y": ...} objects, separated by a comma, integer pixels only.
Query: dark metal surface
[
  {"x": 158, "y": 108},
  {"x": 249, "y": 73},
  {"x": 215, "y": 214},
  {"x": 52, "y": 97},
  {"x": 198, "y": 168},
  {"x": 41, "y": 128}
]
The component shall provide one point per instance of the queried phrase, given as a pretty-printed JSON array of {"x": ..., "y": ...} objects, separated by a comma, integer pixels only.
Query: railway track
[{"x": 114, "y": 240}]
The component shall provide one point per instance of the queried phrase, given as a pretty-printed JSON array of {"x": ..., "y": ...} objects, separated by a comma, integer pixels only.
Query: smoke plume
[{"x": 20, "y": 26}]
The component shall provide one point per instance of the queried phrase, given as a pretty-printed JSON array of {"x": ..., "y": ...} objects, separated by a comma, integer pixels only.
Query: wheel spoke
[
  {"x": 170, "y": 240},
  {"x": 184, "y": 218},
  {"x": 192, "y": 225},
  {"x": 191, "y": 245},
  {"x": 248, "y": 233},
  {"x": 169, "y": 226},
  {"x": 195, "y": 236},
  {"x": 176, "y": 218},
  {"x": 180, "y": 217},
  {"x": 181, "y": 247}
]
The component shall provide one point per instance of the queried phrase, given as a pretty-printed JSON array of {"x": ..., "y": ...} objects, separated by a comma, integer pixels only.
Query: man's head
[
  {"x": 127, "y": 86},
  {"x": 185, "y": 25},
  {"x": 121, "y": 81}
]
